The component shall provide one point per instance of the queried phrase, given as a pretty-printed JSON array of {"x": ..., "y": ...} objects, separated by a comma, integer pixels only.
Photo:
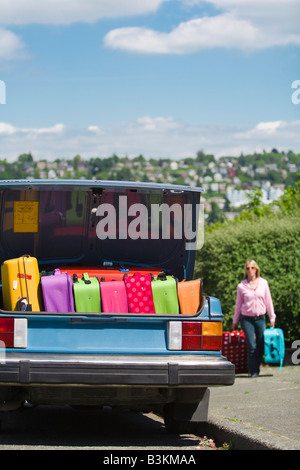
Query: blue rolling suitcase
[{"x": 274, "y": 346}]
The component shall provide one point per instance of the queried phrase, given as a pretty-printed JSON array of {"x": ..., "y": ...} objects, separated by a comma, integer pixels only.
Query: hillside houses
[{"x": 226, "y": 180}]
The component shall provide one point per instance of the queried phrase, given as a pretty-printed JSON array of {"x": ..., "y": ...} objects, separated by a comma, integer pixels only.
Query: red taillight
[
  {"x": 195, "y": 336},
  {"x": 191, "y": 336},
  {"x": 13, "y": 332},
  {"x": 212, "y": 343},
  {"x": 7, "y": 325},
  {"x": 7, "y": 332}
]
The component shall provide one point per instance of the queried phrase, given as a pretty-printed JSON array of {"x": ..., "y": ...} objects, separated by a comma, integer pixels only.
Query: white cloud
[
  {"x": 8, "y": 129},
  {"x": 61, "y": 12},
  {"x": 157, "y": 137},
  {"x": 243, "y": 24},
  {"x": 15, "y": 12},
  {"x": 272, "y": 129},
  {"x": 202, "y": 33},
  {"x": 157, "y": 124},
  {"x": 11, "y": 45}
]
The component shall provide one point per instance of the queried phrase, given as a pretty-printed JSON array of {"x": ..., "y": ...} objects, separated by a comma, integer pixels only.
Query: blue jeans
[{"x": 254, "y": 328}]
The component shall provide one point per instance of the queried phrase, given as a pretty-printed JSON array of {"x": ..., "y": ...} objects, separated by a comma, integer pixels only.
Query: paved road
[
  {"x": 259, "y": 413},
  {"x": 53, "y": 428}
]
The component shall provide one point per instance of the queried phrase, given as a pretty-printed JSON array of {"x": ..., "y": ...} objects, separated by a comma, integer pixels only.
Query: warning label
[{"x": 26, "y": 216}]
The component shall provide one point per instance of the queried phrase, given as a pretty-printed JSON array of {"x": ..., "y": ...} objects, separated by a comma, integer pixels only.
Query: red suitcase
[{"x": 234, "y": 348}]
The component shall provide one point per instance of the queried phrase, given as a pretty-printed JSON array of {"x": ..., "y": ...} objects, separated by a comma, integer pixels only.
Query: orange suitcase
[
  {"x": 21, "y": 282},
  {"x": 189, "y": 296}
]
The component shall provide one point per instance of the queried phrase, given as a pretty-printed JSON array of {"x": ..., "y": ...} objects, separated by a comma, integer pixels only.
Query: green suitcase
[
  {"x": 86, "y": 293},
  {"x": 165, "y": 297}
]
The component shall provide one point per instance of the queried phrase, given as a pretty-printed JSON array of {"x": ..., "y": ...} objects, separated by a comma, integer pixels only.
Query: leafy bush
[{"x": 273, "y": 241}]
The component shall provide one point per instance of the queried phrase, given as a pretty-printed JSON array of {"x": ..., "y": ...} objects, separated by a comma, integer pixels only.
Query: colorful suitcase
[
  {"x": 274, "y": 346},
  {"x": 109, "y": 274},
  {"x": 113, "y": 297},
  {"x": 165, "y": 297},
  {"x": 139, "y": 293},
  {"x": 21, "y": 288},
  {"x": 189, "y": 296},
  {"x": 86, "y": 293},
  {"x": 234, "y": 348},
  {"x": 58, "y": 292}
]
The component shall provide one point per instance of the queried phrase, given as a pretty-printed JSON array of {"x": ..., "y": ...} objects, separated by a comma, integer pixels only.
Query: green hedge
[{"x": 274, "y": 243}]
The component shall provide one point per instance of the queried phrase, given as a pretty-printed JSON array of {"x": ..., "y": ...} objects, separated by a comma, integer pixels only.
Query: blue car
[{"x": 109, "y": 232}]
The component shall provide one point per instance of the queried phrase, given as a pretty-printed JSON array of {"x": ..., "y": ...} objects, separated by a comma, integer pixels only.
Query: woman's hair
[{"x": 255, "y": 265}]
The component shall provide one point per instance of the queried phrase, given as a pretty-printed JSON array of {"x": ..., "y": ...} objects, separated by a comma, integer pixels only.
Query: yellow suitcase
[{"x": 21, "y": 289}]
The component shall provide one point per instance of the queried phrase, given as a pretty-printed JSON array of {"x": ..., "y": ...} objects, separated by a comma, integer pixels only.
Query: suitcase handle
[
  {"x": 23, "y": 305},
  {"x": 28, "y": 306},
  {"x": 162, "y": 276},
  {"x": 239, "y": 337},
  {"x": 86, "y": 278}
]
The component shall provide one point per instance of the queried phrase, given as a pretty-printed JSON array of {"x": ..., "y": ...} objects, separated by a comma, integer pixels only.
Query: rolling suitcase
[
  {"x": 189, "y": 296},
  {"x": 86, "y": 294},
  {"x": 165, "y": 297},
  {"x": 234, "y": 348},
  {"x": 139, "y": 293},
  {"x": 58, "y": 292},
  {"x": 21, "y": 288},
  {"x": 113, "y": 297},
  {"x": 109, "y": 274},
  {"x": 274, "y": 346}
]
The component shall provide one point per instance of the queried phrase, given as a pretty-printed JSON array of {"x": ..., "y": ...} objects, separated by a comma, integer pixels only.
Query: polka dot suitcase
[{"x": 139, "y": 293}]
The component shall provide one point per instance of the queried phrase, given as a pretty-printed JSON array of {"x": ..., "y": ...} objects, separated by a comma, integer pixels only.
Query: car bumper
[{"x": 169, "y": 370}]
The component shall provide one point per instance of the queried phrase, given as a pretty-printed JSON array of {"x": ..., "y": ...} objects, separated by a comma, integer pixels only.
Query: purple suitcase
[{"x": 58, "y": 292}]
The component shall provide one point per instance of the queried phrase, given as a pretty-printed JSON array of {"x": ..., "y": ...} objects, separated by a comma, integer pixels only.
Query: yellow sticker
[{"x": 26, "y": 216}]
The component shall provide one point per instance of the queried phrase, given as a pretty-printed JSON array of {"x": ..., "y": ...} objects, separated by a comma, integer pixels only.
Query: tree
[
  {"x": 272, "y": 238},
  {"x": 216, "y": 215},
  {"x": 25, "y": 158}
]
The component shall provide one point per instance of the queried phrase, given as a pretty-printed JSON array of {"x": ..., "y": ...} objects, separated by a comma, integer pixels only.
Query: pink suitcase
[
  {"x": 139, "y": 293},
  {"x": 113, "y": 297},
  {"x": 234, "y": 348}
]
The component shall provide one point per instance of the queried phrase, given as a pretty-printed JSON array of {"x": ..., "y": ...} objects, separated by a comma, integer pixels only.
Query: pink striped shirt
[{"x": 253, "y": 302}]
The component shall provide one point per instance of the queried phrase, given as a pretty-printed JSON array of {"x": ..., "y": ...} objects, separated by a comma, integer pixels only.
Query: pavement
[{"x": 261, "y": 413}]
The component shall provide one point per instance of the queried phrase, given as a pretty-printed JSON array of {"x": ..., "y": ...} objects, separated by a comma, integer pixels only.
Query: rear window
[
  {"x": 46, "y": 224},
  {"x": 91, "y": 225}
]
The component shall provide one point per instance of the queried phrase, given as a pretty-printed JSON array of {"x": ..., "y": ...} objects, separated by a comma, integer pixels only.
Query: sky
[{"x": 161, "y": 78}]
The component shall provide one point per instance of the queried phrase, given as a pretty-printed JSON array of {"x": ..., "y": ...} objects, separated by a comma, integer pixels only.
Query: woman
[{"x": 253, "y": 300}]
